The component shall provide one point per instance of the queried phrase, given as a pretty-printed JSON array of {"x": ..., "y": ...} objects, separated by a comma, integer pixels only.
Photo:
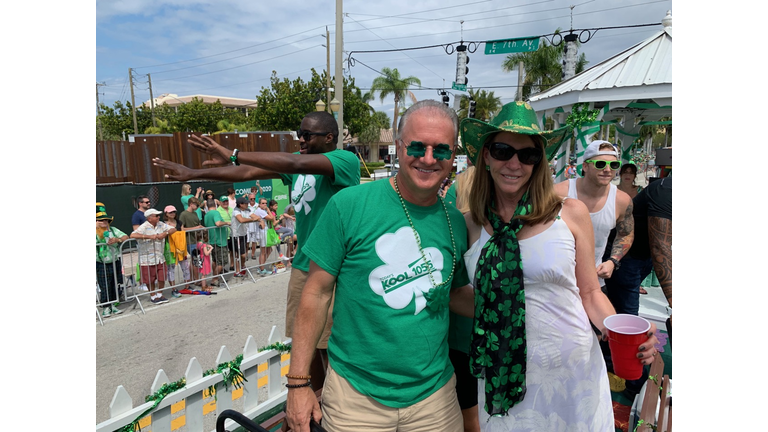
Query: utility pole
[
  {"x": 133, "y": 103},
  {"x": 339, "y": 72},
  {"x": 328, "y": 75},
  {"x": 520, "y": 73},
  {"x": 98, "y": 112},
  {"x": 151, "y": 101}
]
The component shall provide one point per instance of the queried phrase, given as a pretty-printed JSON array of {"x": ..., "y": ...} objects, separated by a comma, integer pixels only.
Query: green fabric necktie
[{"x": 498, "y": 346}]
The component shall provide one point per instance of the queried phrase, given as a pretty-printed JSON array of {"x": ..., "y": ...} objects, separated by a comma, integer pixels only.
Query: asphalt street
[{"x": 131, "y": 347}]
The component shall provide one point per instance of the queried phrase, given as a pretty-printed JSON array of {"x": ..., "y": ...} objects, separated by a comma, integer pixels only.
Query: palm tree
[
  {"x": 543, "y": 68},
  {"x": 486, "y": 105},
  {"x": 392, "y": 83}
]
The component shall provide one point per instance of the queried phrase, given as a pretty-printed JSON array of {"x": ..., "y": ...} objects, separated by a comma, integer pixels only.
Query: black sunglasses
[
  {"x": 145, "y": 202},
  {"x": 307, "y": 135},
  {"x": 504, "y": 152}
]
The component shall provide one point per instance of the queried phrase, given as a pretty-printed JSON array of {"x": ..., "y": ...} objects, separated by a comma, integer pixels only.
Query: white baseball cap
[
  {"x": 151, "y": 212},
  {"x": 593, "y": 149}
]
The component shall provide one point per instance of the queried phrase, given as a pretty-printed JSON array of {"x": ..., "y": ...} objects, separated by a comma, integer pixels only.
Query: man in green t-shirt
[
  {"x": 218, "y": 238},
  {"x": 393, "y": 250},
  {"x": 315, "y": 174}
]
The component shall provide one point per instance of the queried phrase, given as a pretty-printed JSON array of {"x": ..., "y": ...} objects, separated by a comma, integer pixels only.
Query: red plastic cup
[{"x": 625, "y": 334}]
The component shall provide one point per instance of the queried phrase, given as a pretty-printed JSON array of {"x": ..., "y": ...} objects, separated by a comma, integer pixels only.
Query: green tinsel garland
[
  {"x": 231, "y": 375},
  {"x": 580, "y": 114}
]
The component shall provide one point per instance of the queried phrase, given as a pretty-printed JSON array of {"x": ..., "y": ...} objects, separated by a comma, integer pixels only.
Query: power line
[
  {"x": 236, "y": 67},
  {"x": 232, "y": 58},
  {"x": 228, "y": 52},
  {"x": 435, "y": 73}
]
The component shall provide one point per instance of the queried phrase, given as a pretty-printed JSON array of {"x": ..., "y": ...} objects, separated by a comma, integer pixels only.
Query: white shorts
[{"x": 259, "y": 237}]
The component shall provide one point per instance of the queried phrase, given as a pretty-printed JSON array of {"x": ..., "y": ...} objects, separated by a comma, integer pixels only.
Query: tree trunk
[{"x": 394, "y": 122}]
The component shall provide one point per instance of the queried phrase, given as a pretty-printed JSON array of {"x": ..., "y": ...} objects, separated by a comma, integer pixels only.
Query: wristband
[
  {"x": 293, "y": 386},
  {"x": 233, "y": 158},
  {"x": 301, "y": 377},
  {"x": 616, "y": 263}
]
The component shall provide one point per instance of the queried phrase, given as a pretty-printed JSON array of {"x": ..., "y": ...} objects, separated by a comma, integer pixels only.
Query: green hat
[
  {"x": 101, "y": 213},
  {"x": 224, "y": 198},
  {"x": 517, "y": 117}
]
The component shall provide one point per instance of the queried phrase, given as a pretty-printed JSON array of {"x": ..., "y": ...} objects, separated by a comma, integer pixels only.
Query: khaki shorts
[
  {"x": 295, "y": 288},
  {"x": 347, "y": 410}
]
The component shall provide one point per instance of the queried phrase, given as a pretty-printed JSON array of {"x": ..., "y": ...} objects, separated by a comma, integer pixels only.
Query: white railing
[{"x": 191, "y": 398}]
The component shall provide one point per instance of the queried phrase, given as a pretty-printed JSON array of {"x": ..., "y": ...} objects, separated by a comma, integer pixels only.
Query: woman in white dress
[{"x": 536, "y": 289}]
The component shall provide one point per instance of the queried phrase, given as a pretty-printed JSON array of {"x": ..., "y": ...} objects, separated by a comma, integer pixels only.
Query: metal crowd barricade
[{"x": 128, "y": 267}]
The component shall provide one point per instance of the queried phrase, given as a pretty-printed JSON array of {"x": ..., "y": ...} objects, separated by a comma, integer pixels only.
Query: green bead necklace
[{"x": 418, "y": 238}]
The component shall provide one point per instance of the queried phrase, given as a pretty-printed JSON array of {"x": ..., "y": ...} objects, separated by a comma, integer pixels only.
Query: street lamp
[
  {"x": 335, "y": 105},
  {"x": 320, "y": 105}
]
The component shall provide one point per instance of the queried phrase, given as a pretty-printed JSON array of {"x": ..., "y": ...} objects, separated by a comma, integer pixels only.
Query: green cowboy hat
[
  {"x": 101, "y": 213},
  {"x": 517, "y": 117}
]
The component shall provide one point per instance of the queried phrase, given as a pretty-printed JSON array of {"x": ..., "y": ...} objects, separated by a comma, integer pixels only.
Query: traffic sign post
[
  {"x": 509, "y": 46},
  {"x": 460, "y": 87}
]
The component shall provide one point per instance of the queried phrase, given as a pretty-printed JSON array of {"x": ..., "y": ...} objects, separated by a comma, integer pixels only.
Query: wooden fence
[
  {"x": 131, "y": 161},
  {"x": 191, "y": 399}
]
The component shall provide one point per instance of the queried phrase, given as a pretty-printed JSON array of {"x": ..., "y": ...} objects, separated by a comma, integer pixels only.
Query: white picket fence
[{"x": 122, "y": 412}]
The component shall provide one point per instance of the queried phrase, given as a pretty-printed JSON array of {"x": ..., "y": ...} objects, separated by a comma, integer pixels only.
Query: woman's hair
[
  {"x": 230, "y": 191},
  {"x": 270, "y": 203},
  {"x": 291, "y": 211},
  {"x": 628, "y": 167},
  {"x": 544, "y": 200},
  {"x": 464, "y": 183},
  {"x": 186, "y": 189}
]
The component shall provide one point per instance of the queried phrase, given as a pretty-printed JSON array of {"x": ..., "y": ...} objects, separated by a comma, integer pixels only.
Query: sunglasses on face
[
  {"x": 504, "y": 152},
  {"x": 145, "y": 202},
  {"x": 600, "y": 164},
  {"x": 418, "y": 149},
  {"x": 307, "y": 135}
]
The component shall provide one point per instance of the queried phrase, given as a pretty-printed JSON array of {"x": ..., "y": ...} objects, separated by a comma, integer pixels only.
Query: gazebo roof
[{"x": 640, "y": 73}]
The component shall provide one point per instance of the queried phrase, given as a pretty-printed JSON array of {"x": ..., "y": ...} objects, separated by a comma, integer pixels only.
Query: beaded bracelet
[
  {"x": 304, "y": 377},
  {"x": 293, "y": 386}
]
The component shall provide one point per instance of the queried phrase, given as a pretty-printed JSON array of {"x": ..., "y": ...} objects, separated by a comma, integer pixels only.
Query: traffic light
[
  {"x": 462, "y": 59},
  {"x": 472, "y": 104},
  {"x": 445, "y": 97}
]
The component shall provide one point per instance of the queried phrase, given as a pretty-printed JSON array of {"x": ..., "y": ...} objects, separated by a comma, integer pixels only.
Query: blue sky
[{"x": 230, "y": 48}]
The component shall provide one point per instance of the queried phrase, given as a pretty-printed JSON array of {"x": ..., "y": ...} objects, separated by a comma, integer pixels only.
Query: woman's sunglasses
[
  {"x": 600, "y": 164},
  {"x": 504, "y": 152}
]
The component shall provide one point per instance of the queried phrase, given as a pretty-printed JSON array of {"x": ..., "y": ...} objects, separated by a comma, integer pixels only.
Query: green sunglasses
[
  {"x": 418, "y": 149},
  {"x": 600, "y": 164}
]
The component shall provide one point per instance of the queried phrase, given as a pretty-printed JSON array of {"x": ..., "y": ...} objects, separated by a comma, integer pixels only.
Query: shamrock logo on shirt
[
  {"x": 405, "y": 274},
  {"x": 304, "y": 192}
]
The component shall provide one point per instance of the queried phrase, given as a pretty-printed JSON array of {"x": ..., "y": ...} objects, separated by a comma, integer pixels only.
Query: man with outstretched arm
[{"x": 317, "y": 173}]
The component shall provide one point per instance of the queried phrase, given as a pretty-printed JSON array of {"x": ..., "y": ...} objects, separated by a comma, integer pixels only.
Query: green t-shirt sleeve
[
  {"x": 185, "y": 200},
  {"x": 288, "y": 178},
  {"x": 460, "y": 277},
  {"x": 346, "y": 168},
  {"x": 326, "y": 246}
]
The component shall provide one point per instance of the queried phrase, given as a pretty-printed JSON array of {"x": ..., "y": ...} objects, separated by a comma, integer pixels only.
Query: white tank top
[{"x": 603, "y": 221}]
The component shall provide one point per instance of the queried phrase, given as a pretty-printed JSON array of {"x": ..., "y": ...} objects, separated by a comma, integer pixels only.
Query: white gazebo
[{"x": 629, "y": 90}]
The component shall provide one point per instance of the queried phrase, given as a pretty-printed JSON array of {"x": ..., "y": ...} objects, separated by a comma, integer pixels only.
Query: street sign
[
  {"x": 392, "y": 149},
  {"x": 508, "y": 46},
  {"x": 460, "y": 87}
]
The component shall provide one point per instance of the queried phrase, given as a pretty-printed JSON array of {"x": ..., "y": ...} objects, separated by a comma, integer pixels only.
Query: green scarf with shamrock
[{"x": 498, "y": 347}]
